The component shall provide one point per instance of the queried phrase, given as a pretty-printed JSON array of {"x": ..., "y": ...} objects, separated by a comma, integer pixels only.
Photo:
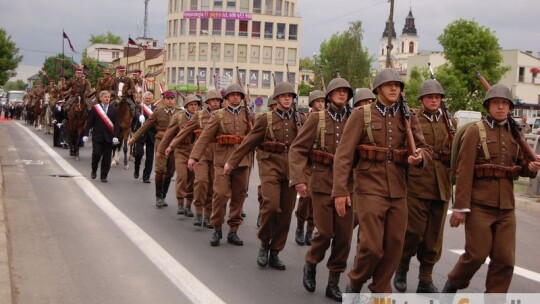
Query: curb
[{"x": 5, "y": 276}]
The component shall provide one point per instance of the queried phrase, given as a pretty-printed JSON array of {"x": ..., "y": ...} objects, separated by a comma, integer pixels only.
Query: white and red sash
[
  {"x": 147, "y": 110},
  {"x": 108, "y": 123}
]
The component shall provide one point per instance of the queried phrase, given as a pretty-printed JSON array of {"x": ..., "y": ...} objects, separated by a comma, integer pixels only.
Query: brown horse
[
  {"x": 36, "y": 110},
  {"x": 124, "y": 119},
  {"x": 77, "y": 115}
]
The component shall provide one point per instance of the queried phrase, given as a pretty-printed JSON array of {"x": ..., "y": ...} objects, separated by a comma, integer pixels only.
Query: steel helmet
[
  {"x": 362, "y": 94},
  {"x": 234, "y": 88},
  {"x": 338, "y": 83},
  {"x": 387, "y": 75},
  {"x": 213, "y": 94},
  {"x": 284, "y": 88},
  {"x": 500, "y": 91},
  {"x": 314, "y": 95},
  {"x": 192, "y": 98},
  {"x": 271, "y": 102},
  {"x": 430, "y": 86}
]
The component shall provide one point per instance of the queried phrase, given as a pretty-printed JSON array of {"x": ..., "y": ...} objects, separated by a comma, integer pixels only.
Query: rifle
[
  {"x": 215, "y": 82},
  {"x": 515, "y": 128},
  {"x": 246, "y": 101},
  {"x": 322, "y": 81},
  {"x": 198, "y": 86},
  {"x": 295, "y": 110},
  {"x": 274, "y": 79},
  {"x": 411, "y": 145},
  {"x": 446, "y": 114}
]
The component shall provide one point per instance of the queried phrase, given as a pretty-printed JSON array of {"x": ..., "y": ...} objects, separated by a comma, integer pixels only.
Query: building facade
[{"x": 216, "y": 42}]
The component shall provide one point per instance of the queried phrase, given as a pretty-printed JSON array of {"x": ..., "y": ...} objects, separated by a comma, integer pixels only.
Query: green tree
[
  {"x": 108, "y": 38},
  {"x": 9, "y": 57},
  {"x": 307, "y": 63},
  {"x": 345, "y": 53},
  {"x": 466, "y": 44},
  {"x": 412, "y": 86},
  {"x": 304, "y": 89},
  {"x": 17, "y": 85},
  {"x": 56, "y": 67}
]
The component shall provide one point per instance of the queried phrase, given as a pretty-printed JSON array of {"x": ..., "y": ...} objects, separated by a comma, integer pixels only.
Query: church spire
[
  {"x": 409, "y": 27},
  {"x": 385, "y": 33}
]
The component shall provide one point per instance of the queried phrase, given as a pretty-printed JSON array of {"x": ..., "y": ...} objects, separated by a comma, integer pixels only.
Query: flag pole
[
  {"x": 62, "y": 65},
  {"x": 127, "y": 57}
]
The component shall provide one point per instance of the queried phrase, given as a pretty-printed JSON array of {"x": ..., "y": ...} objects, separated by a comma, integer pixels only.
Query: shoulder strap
[
  {"x": 269, "y": 125},
  {"x": 321, "y": 129},
  {"x": 483, "y": 141},
  {"x": 221, "y": 115},
  {"x": 367, "y": 122},
  {"x": 199, "y": 116}
]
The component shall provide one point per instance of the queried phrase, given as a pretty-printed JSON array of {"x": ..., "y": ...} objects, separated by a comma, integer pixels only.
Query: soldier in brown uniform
[
  {"x": 78, "y": 86},
  {"x": 428, "y": 193},
  {"x": 106, "y": 83},
  {"x": 184, "y": 177},
  {"x": 377, "y": 132},
  {"x": 304, "y": 210},
  {"x": 274, "y": 132},
  {"x": 164, "y": 166},
  {"x": 490, "y": 167},
  {"x": 363, "y": 96},
  {"x": 204, "y": 169},
  {"x": 54, "y": 93},
  {"x": 315, "y": 145},
  {"x": 124, "y": 88},
  {"x": 227, "y": 127}
]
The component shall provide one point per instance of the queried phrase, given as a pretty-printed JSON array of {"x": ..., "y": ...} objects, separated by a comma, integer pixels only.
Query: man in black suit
[
  {"x": 103, "y": 120},
  {"x": 142, "y": 113}
]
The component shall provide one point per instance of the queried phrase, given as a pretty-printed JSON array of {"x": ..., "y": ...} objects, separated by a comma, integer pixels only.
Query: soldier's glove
[
  {"x": 54, "y": 121},
  {"x": 115, "y": 141},
  {"x": 85, "y": 138},
  {"x": 141, "y": 119},
  {"x": 58, "y": 125}
]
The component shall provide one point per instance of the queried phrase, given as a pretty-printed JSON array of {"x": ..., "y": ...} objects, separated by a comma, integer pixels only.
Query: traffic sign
[{"x": 259, "y": 101}]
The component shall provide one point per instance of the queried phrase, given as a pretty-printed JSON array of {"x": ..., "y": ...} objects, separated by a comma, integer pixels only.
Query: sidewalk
[{"x": 5, "y": 278}]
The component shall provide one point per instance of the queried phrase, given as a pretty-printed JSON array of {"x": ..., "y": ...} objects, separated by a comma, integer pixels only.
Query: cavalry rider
[
  {"x": 124, "y": 88},
  {"x": 78, "y": 87}
]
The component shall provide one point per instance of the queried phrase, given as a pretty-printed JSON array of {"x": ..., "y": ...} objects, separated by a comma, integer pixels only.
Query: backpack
[{"x": 456, "y": 145}]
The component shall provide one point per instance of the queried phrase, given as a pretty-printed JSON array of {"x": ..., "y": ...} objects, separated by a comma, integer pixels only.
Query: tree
[
  {"x": 307, "y": 63},
  {"x": 17, "y": 85},
  {"x": 108, "y": 38},
  {"x": 466, "y": 44},
  {"x": 346, "y": 54},
  {"x": 304, "y": 89},
  {"x": 412, "y": 87},
  {"x": 9, "y": 58},
  {"x": 56, "y": 67}
]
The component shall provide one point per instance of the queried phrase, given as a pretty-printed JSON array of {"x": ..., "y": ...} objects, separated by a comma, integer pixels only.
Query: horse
[
  {"x": 124, "y": 120},
  {"x": 36, "y": 110},
  {"x": 77, "y": 115},
  {"x": 47, "y": 113}
]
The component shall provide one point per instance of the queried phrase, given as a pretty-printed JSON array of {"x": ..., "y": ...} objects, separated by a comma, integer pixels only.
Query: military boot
[
  {"x": 308, "y": 238},
  {"x": 197, "y": 221},
  {"x": 181, "y": 209},
  {"x": 426, "y": 287},
  {"x": 206, "y": 223},
  {"x": 309, "y": 277},
  {"x": 333, "y": 292},
  {"x": 136, "y": 173},
  {"x": 262, "y": 257},
  {"x": 299, "y": 236},
  {"x": 400, "y": 280},
  {"x": 448, "y": 288},
  {"x": 275, "y": 262},
  {"x": 166, "y": 183},
  {"x": 188, "y": 212},
  {"x": 159, "y": 190},
  {"x": 232, "y": 238},
  {"x": 216, "y": 236}
]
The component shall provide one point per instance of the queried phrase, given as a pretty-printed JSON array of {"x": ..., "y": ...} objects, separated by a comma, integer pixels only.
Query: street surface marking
[
  {"x": 531, "y": 275},
  {"x": 182, "y": 278},
  {"x": 31, "y": 161}
]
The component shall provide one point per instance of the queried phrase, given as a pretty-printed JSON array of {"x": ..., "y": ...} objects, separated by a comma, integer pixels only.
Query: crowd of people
[{"x": 375, "y": 165}]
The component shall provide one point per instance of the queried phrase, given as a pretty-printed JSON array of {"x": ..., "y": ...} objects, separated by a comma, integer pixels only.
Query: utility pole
[
  {"x": 145, "y": 35},
  {"x": 389, "y": 45}
]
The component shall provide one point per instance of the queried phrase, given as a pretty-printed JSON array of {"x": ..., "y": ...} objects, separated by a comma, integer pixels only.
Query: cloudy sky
[{"x": 36, "y": 25}]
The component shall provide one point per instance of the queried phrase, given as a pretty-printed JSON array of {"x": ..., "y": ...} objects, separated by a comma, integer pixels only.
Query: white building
[
  {"x": 208, "y": 39},
  {"x": 106, "y": 53}
]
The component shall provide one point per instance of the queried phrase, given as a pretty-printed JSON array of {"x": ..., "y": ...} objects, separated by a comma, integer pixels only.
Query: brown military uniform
[
  {"x": 491, "y": 204},
  {"x": 278, "y": 199},
  {"x": 332, "y": 231},
  {"x": 428, "y": 193},
  {"x": 234, "y": 186},
  {"x": 54, "y": 94},
  {"x": 184, "y": 177},
  {"x": 106, "y": 84},
  {"x": 77, "y": 86},
  {"x": 204, "y": 170},
  {"x": 380, "y": 190}
]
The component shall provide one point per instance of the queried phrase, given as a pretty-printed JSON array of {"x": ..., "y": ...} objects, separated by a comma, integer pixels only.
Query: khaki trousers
[{"x": 233, "y": 187}]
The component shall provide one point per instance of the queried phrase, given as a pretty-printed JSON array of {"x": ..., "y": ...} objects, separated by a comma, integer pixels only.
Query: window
[
  {"x": 192, "y": 27},
  {"x": 205, "y": 5},
  {"x": 292, "y": 78},
  {"x": 229, "y": 53},
  {"x": 173, "y": 75},
  {"x": 174, "y": 51},
  {"x": 286, "y": 9},
  {"x": 254, "y": 54},
  {"x": 231, "y": 5},
  {"x": 175, "y": 28},
  {"x": 242, "y": 28},
  {"x": 267, "y": 54},
  {"x": 279, "y": 3},
  {"x": 216, "y": 51},
  {"x": 268, "y": 7},
  {"x": 181, "y": 75},
  {"x": 278, "y": 76},
  {"x": 242, "y": 75},
  {"x": 204, "y": 26},
  {"x": 191, "y": 75},
  {"x": 293, "y": 31},
  {"x": 411, "y": 47},
  {"x": 183, "y": 28},
  {"x": 229, "y": 27},
  {"x": 216, "y": 27},
  {"x": 266, "y": 79},
  {"x": 291, "y": 56},
  {"x": 203, "y": 51},
  {"x": 202, "y": 76},
  {"x": 244, "y": 5},
  {"x": 256, "y": 29},
  {"x": 257, "y": 6},
  {"x": 280, "y": 55},
  {"x": 185, "y": 5},
  {"x": 268, "y": 30},
  {"x": 182, "y": 51},
  {"x": 254, "y": 79},
  {"x": 192, "y": 50},
  {"x": 521, "y": 77},
  {"x": 242, "y": 53},
  {"x": 280, "y": 34},
  {"x": 218, "y": 5},
  {"x": 194, "y": 5}
]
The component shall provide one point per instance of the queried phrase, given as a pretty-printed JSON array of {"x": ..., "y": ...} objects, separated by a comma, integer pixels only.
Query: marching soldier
[
  {"x": 377, "y": 132},
  {"x": 304, "y": 210},
  {"x": 316, "y": 145},
  {"x": 143, "y": 112},
  {"x": 275, "y": 132},
  {"x": 124, "y": 88},
  {"x": 78, "y": 87},
  {"x": 428, "y": 193},
  {"x": 228, "y": 127},
  {"x": 184, "y": 177},
  {"x": 363, "y": 96},
  {"x": 204, "y": 169},
  {"x": 488, "y": 161},
  {"x": 164, "y": 168}
]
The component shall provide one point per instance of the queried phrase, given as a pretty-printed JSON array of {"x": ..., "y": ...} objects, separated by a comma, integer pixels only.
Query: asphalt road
[{"x": 77, "y": 240}]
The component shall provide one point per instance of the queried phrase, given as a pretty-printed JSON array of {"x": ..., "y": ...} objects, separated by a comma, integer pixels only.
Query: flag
[
  {"x": 133, "y": 42},
  {"x": 69, "y": 41}
]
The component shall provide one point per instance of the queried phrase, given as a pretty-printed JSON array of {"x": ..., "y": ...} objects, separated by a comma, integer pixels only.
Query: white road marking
[
  {"x": 182, "y": 278},
  {"x": 531, "y": 275}
]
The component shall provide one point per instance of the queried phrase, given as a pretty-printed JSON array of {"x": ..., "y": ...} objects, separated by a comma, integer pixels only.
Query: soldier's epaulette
[{"x": 414, "y": 111}]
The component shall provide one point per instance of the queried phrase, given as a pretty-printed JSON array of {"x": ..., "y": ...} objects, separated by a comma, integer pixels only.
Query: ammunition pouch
[
  {"x": 443, "y": 156},
  {"x": 321, "y": 157},
  {"x": 496, "y": 171},
  {"x": 229, "y": 140},
  {"x": 374, "y": 153},
  {"x": 274, "y": 147},
  {"x": 198, "y": 133}
]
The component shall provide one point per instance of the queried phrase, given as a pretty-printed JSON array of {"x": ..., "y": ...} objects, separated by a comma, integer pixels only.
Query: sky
[{"x": 36, "y": 25}]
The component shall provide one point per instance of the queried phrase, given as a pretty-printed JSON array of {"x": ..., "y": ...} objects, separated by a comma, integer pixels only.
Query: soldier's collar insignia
[
  {"x": 234, "y": 110},
  {"x": 337, "y": 114},
  {"x": 284, "y": 114},
  {"x": 492, "y": 123},
  {"x": 431, "y": 117},
  {"x": 383, "y": 109}
]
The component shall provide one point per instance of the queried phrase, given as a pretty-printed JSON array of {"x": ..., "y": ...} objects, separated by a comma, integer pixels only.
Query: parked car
[{"x": 465, "y": 117}]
